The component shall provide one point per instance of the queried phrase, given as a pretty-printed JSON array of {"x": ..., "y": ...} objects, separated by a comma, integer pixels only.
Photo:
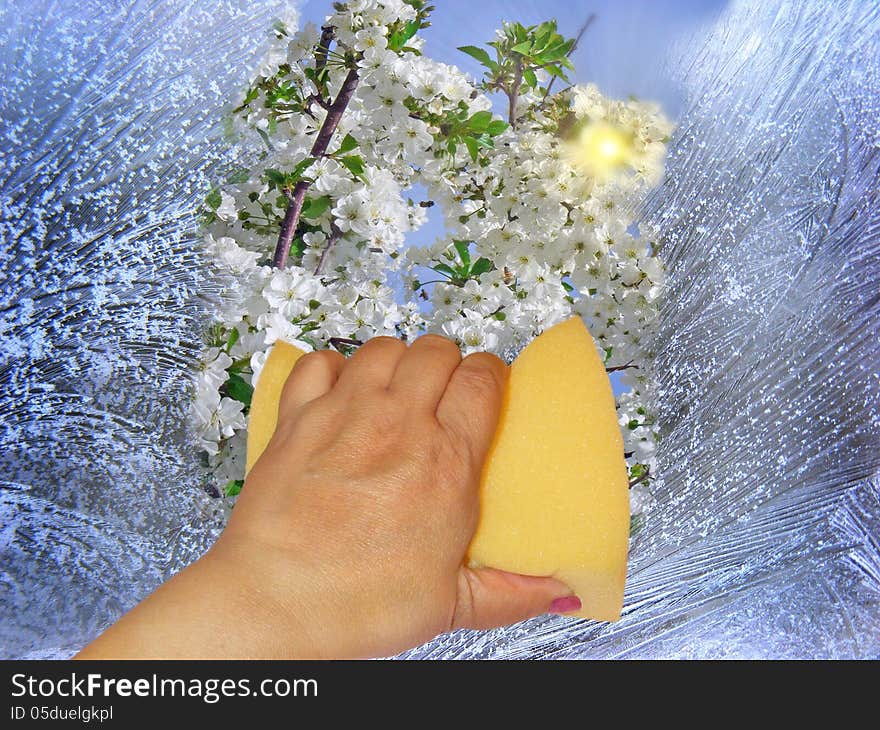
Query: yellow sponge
[
  {"x": 554, "y": 496},
  {"x": 267, "y": 395}
]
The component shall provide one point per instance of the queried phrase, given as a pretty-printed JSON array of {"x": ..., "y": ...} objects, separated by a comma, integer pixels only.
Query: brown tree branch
[
  {"x": 348, "y": 341},
  {"x": 513, "y": 95},
  {"x": 620, "y": 367},
  {"x": 296, "y": 199},
  {"x": 323, "y": 50},
  {"x": 335, "y": 235}
]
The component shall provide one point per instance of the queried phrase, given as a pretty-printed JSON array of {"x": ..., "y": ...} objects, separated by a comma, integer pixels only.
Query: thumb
[{"x": 489, "y": 598}]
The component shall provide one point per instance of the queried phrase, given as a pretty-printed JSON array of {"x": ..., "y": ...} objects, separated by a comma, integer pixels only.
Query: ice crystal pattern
[{"x": 765, "y": 538}]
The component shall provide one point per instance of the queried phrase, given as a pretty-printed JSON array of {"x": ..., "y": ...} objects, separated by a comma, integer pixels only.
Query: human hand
[{"x": 350, "y": 534}]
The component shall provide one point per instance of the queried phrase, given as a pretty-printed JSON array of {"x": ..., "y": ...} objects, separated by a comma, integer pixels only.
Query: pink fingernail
[{"x": 566, "y": 604}]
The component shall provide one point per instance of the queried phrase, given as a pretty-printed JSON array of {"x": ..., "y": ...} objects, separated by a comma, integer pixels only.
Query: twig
[
  {"x": 641, "y": 479},
  {"x": 335, "y": 235},
  {"x": 323, "y": 50},
  {"x": 621, "y": 367},
  {"x": 577, "y": 40},
  {"x": 513, "y": 95},
  {"x": 322, "y": 53},
  {"x": 337, "y": 341}
]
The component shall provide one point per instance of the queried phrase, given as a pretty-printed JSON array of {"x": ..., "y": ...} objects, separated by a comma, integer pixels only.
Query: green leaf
[
  {"x": 316, "y": 207},
  {"x": 481, "y": 266},
  {"x": 294, "y": 176},
  {"x": 478, "y": 53},
  {"x": 472, "y": 146},
  {"x": 445, "y": 269},
  {"x": 233, "y": 487},
  {"x": 554, "y": 70},
  {"x": 232, "y": 339},
  {"x": 485, "y": 141},
  {"x": 412, "y": 27},
  {"x": 347, "y": 145},
  {"x": 530, "y": 78},
  {"x": 480, "y": 121},
  {"x": 523, "y": 48},
  {"x": 265, "y": 138},
  {"x": 397, "y": 40},
  {"x": 239, "y": 389},
  {"x": 240, "y": 365},
  {"x": 354, "y": 164},
  {"x": 500, "y": 316},
  {"x": 238, "y": 176},
  {"x": 213, "y": 199},
  {"x": 463, "y": 253},
  {"x": 496, "y": 127},
  {"x": 252, "y": 94},
  {"x": 274, "y": 177},
  {"x": 544, "y": 33}
]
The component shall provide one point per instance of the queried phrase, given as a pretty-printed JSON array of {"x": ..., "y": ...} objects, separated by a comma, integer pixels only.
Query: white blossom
[{"x": 535, "y": 230}]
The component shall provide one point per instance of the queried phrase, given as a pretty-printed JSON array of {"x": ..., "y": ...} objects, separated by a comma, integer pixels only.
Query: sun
[{"x": 600, "y": 150}]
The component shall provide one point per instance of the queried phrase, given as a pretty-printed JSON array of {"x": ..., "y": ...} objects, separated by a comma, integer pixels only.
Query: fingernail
[{"x": 566, "y": 604}]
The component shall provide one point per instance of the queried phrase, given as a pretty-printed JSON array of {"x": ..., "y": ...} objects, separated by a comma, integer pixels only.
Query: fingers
[
  {"x": 424, "y": 371},
  {"x": 373, "y": 365},
  {"x": 489, "y": 598},
  {"x": 312, "y": 376},
  {"x": 472, "y": 402}
]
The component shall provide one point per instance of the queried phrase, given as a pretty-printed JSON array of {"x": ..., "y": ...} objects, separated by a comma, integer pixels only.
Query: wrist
[{"x": 268, "y": 613}]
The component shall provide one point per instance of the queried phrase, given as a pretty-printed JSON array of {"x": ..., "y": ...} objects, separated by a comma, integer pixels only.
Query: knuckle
[
  {"x": 313, "y": 360},
  {"x": 311, "y": 365},
  {"x": 384, "y": 341},
  {"x": 482, "y": 372},
  {"x": 437, "y": 341}
]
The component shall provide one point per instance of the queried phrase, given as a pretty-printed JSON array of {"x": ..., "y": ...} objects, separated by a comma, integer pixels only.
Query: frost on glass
[
  {"x": 764, "y": 537},
  {"x": 109, "y": 131}
]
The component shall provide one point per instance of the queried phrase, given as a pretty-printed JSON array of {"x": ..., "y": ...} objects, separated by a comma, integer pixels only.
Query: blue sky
[{"x": 623, "y": 51}]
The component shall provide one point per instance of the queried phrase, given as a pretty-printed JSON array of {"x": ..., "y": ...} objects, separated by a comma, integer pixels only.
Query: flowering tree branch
[{"x": 297, "y": 197}]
